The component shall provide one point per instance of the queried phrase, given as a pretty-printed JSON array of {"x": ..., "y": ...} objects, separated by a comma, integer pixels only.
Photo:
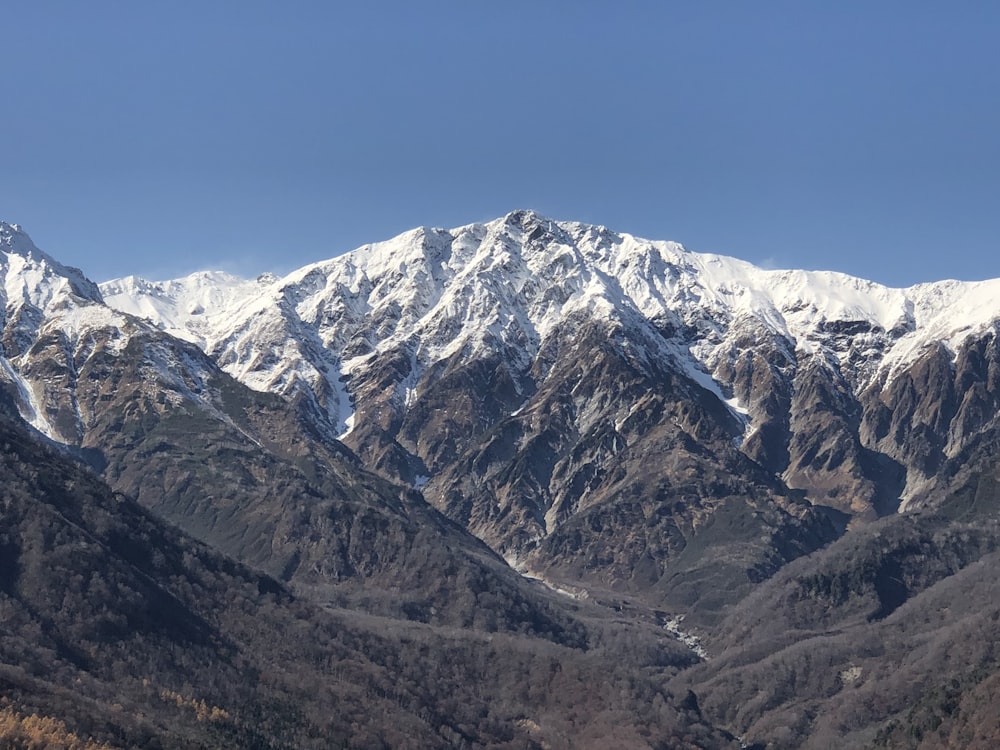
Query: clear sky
[{"x": 163, "y": 138}]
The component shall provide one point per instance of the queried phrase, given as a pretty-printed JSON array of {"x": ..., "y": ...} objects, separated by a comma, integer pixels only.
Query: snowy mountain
[
  {"x": 660, "y": 436},
  {"x": 398, "y": 617},
  {"x": 527, "y": 375},
  {"x": 43, "y": 299},
  {"x": 237, "y": 468},
  {"x": 509, "y": 287},
  {"x": 511, "y": 282},
  {"x": 523, "y": 372}
]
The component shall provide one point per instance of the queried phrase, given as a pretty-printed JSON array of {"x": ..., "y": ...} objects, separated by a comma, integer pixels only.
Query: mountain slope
[
  {"x": 660, "y": 431},
  {"x": 885, "y": 639},
  {"x": 126, "y": 630}
]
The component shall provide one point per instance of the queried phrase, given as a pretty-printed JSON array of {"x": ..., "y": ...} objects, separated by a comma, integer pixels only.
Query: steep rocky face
[
  {"x": 759, "y": 367},
  {"x": 941, "y": 418},
  {"x": 618, "y": 472}
]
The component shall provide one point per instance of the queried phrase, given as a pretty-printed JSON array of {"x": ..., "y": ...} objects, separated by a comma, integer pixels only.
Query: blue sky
[{"x": 163, "y": 138}]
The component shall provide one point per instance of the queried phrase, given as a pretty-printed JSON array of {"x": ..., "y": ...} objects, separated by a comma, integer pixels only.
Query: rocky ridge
[{"x": 525, "y": 373}]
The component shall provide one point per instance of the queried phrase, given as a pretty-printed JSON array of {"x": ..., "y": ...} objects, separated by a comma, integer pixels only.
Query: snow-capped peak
[
  {"x": 506, "y": 285},
  {"x": 33, "y": 277},
  {"x": 46, "y": 306},
  {"x": 181, "y": 306}
]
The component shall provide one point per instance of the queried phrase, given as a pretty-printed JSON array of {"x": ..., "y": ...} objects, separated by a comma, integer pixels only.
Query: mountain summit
[
  {"x": 33, "y": 277},
  {"x": 429, "y": 300}
]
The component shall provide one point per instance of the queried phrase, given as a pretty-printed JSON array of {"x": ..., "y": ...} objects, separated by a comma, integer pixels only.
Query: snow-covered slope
[
  {"x": 41, "y": 296},
  {"x": 179, "y": 307},
  {"x": 57, "y": 334},
  {"x": 33, "y": 278},
  {"x": 508, "y": 283}
]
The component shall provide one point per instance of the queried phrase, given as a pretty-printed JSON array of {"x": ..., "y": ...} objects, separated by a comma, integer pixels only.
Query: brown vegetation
[{"x": 34, "y": 732}]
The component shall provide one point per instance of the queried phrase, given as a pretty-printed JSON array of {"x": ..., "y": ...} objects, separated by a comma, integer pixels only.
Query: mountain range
[{"x": 575, "y": 439}]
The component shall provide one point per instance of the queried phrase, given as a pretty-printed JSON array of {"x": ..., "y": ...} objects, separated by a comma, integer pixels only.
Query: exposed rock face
[
  {"x": 940, "y": 418},
  {"x": 617, "y": 471}
]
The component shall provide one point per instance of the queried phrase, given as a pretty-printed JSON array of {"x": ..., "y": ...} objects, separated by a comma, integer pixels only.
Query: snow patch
[
  {"x": 29, "y": 406},
  {"x": 348, "y": 427},
  {"x": 577, "y": 594},
  {"x": 693, "y": 642},
  {"x": 520, "y": 408}
]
